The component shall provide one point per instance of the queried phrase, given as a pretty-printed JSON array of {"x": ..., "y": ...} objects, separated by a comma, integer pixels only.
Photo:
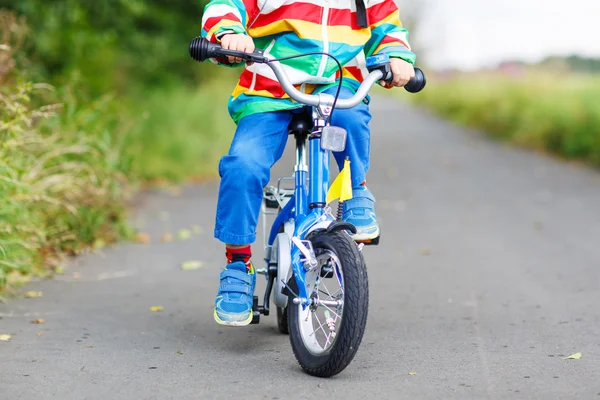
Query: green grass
[
  {"x": 534, "y": 110},
  {"x": 61, "y": 182},
  {"x": 66, "y": 172},
  {"x": 69, "y": 161},
  {"x": 182, "y": 132}
]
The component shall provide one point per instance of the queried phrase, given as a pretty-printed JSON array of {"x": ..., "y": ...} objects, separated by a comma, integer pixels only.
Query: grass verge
[
  {"x": 182, "y": 133},
  {"x": 68, "y": 165},
  {"x": 67, "y": 170},
  {"x": 533, "y": 110}
]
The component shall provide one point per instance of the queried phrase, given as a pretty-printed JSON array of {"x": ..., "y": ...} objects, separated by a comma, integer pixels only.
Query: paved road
[{"x": 488, "y": 274}]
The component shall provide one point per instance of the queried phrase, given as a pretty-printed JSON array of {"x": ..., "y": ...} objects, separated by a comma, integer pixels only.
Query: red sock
[{"x": 241, "y": 254}]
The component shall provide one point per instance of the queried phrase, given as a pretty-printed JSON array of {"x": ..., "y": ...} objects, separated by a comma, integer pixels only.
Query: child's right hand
[{"x": 237, "y": 42}]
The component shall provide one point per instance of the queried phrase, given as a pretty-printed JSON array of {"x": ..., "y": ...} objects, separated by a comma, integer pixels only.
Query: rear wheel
[{"x": 326, "y": 334}]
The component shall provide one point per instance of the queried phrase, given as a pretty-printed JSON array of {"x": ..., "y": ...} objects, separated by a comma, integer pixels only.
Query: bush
[{"x": 61, "y": 180}]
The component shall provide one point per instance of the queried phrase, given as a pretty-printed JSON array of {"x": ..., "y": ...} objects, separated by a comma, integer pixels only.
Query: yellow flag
[{"x": 341, "y": 188}]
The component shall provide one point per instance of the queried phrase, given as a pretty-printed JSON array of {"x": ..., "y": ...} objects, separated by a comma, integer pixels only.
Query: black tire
[
  {"x": 282, "y": 320},
  {"x": 354, "y": 313}
]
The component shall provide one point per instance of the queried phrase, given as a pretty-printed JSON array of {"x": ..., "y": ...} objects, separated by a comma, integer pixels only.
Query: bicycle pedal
[
  {"x": 255, "y": 318},
  {"x": 255, "y": 311},
  {"x": 370, "y": 242}
]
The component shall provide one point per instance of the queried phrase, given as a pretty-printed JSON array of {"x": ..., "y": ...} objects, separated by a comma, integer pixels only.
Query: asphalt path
[{"x": 487, "y": 276}]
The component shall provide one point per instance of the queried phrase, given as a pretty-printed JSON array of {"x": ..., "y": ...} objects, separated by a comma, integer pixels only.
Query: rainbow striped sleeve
[
  {"x": 387, "y": 33},
  {"x": 223, "y": 17}
]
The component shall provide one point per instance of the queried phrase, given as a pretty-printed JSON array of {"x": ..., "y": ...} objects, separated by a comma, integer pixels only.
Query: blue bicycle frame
[{"x": 307, "y": 208}]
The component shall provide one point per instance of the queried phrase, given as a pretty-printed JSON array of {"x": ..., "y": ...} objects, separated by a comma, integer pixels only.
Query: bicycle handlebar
[{"x": 201, "y": 50}]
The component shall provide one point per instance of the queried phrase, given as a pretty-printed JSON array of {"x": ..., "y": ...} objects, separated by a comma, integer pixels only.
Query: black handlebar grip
[
  {"x": 201, "y": 49},
  {"x": 417, "y": 83}
]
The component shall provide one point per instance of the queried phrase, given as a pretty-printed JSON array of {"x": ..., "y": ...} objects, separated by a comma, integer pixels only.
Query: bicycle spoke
[
  {"x": 320, "y": 327},
  {"x": 322, "y": 333},
  {"x": 316, "y": 330},
  {"x": 325, "y": 286},
  {"x": 331, "y": 295},
  {"x": 337, "y": 315},
  {"x": 327, "y": 339}
]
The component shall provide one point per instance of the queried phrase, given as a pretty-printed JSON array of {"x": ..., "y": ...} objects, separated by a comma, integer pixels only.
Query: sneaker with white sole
[
  {"x": 233, "y": 305},
  {"x": 360, "y": 212}
]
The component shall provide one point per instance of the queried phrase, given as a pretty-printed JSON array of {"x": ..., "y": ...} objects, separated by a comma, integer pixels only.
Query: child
[{"x": 350, "y": 30}]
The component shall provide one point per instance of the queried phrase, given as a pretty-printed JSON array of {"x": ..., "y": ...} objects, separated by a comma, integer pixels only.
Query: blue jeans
[{"x": 258, "y": 143}]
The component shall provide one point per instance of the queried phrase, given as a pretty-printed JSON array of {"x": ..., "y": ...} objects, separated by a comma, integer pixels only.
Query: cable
[{"x": 337, "y": 94}]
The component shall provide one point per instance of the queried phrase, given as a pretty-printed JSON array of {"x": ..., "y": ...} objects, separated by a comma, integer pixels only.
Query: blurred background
[{"x": 100, "y": 99}]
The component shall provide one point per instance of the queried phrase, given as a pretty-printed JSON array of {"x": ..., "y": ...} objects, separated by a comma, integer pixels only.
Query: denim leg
[
  {"x": 358, "y": 145},
  {"x": 258, "y": 143}
]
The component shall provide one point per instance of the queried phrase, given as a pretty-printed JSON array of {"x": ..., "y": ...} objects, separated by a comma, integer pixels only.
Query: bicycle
[{"x": 307, "y": 245}]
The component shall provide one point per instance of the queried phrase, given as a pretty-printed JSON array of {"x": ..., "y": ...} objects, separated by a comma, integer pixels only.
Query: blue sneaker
[
  {"x": 360, "y": 212},
  {"x": 233, "y": 305}
]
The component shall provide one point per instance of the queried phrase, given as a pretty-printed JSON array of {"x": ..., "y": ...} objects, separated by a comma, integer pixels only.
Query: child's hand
[
  {"x": 237, "y": 42},
  {"x": 403, "y": 72}
]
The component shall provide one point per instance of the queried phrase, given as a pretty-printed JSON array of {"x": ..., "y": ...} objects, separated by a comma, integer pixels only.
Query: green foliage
[
  {"x": 111, "y": 45},
  {"x": 182, "y": 132},
  {"x": 531, "y": 110},
  {"x": 61, "y": 183},
  {"x": 124, "y": 106}
]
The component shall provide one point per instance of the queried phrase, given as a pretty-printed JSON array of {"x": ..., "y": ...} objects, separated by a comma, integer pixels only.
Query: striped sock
[{"x": 240, "y": 254}]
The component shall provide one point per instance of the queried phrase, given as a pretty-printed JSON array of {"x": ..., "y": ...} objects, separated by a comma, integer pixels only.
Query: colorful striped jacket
[{"x": 289, "y": 27}]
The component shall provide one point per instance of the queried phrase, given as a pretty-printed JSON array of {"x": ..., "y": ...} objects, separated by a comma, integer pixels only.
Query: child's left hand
[{"x": 403, "y": 72}]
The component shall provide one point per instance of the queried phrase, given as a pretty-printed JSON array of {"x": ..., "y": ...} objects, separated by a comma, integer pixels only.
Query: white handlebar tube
[{"x": 323, "y": 99}]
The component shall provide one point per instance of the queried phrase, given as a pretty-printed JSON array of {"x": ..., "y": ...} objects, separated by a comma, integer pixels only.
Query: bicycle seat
[{"x": 300, "y": 123}]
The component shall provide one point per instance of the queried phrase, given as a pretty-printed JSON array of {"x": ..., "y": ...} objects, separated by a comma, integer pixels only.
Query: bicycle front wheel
[{"x": 326, "y": 335}]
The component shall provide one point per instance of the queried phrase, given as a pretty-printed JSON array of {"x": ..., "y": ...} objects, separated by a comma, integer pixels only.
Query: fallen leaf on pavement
[
  {"x": 179, "y": 352},
  {"x": 412, "y": 373},
  {"x": 191, "y": 265},
  {"x": 38, "y": 321},
  {"x": 575, "y": 356},
  {"x": 184, "y": 234},
  {"x": 40, "y": 333},
  {"x": 16, "y": 278},
  {"x": 31, "y": 294},
  {"x": 142, "y": 238},
  {"x": 87, "y": 347},
  {"x": 167, "y": 238},
  {"x": 59, "y": 270},
  {"x": 426, "y": 252},
  {"x": 174, "y": 191},
  {"x": 156, "y": 308},
  {"x": 5, "y": 338}
]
